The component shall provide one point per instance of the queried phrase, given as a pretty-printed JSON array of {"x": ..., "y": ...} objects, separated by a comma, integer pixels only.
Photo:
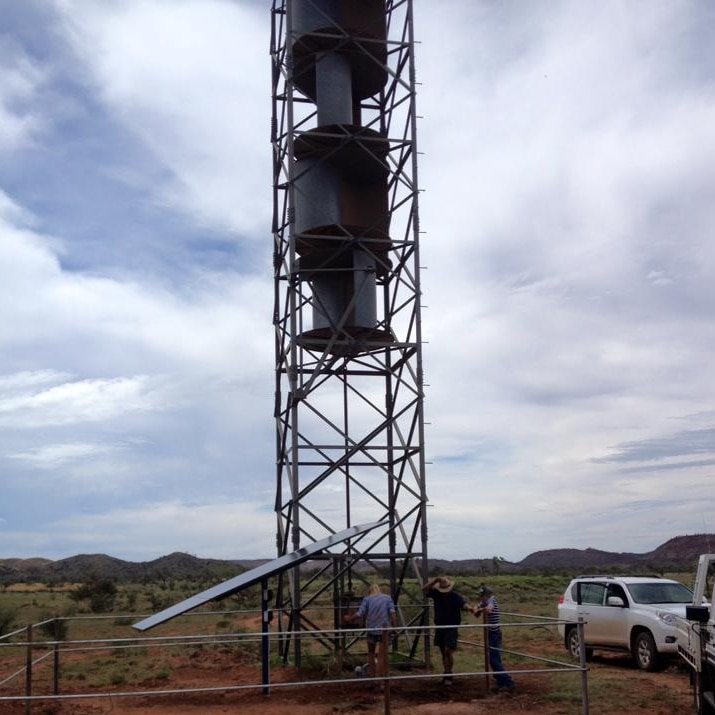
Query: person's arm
[
  {"x": 487, "y": 607},
  {"x": 429, "y": 585},
  {"x": 358, "y": 615}
]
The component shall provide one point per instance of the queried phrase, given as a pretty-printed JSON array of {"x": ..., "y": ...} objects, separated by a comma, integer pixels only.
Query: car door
[
  {"x": 613, "y": 617},
  {"x": 590, "y": 606}
]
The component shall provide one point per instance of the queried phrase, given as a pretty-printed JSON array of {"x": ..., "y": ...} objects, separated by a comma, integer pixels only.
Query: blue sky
[{"x": 569, "y": 204}]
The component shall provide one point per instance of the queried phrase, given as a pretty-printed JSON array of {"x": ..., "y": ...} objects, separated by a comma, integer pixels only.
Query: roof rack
[{"x": 624, "y": 575}]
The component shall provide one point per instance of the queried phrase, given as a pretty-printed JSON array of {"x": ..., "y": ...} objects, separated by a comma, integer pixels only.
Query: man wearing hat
[
  {"x": 490, "y": 608},
  {"x": 448, "y": 607}
]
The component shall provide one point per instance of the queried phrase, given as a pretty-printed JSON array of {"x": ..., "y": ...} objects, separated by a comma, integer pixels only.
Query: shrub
[
  {"x": 7, "y": 620},
  {"x": 132, "y": 597},
  {"x": 101, "y": 594},
  {"x": 123, "y": 621},
  {"x": 54, "y": 628}
]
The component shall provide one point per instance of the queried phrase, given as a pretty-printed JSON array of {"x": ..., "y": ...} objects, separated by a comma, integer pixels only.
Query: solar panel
[{"x": 255, "y": 575}]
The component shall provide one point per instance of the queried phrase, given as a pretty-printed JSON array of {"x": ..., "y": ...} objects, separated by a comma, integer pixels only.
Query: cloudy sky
[{"x": 569, "y": 204}]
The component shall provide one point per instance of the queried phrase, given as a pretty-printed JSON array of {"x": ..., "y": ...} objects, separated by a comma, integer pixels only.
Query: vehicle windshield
[{"x": 660, "y": 593}]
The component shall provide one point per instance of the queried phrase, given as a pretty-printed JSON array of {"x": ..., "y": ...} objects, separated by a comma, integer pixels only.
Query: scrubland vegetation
[{"x": 100, "y": 609}]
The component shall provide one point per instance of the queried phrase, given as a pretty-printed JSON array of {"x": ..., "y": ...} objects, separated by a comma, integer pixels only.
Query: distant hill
[
  {"x": 580, "y": 559},
  {"x": 678, "y": 554},
  {"x": 24, "y": 563},
  {"x": 83, "y": 567}
]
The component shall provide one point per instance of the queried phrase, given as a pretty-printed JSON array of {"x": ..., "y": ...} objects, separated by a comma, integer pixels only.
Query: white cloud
[
  {"x": 178, "y": 76},
  {"x": 24, "y": 380},
  {"x": 13, "y": 213},
  {"x": 566, "y": 169},
  {"x": 82, "y": 401},
  {"x": 123, "y": 322},
  {"x": 52, "y": 456},
  {"x": 569, "y": 210},
  {"x": 219, "y": 529},
  {"x": 20, "y": 81}
]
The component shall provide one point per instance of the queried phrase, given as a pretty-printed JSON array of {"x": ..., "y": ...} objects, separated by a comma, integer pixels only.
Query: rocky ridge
[{"x": 677, "y": 554}]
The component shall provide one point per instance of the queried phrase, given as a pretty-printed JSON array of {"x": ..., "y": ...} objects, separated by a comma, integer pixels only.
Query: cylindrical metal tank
[
  {"x": 340, "y": 176},
  {"x": 346, "y": 299},
  {"x": 333, "y": 89},
  {"x": 329, "y": 200},
  {"x": 355, "y": 28}
]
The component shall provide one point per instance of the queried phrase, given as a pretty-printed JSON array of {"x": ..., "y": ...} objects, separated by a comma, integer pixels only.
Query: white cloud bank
[{"x": 569, "y": 175}]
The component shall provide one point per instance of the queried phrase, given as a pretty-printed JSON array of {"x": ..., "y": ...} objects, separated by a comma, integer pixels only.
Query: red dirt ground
[{"x": 615, "y": 686}]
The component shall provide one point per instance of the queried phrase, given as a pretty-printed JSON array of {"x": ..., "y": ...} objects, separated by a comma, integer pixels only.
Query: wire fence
[{"x": 31, "y": 669}]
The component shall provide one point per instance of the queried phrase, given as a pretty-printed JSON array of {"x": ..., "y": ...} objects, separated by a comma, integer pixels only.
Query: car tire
[
  {"x": 644, "y": 652},
  {"x": 573, "y": 646}
]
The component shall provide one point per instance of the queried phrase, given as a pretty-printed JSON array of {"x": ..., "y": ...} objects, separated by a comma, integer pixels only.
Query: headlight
[{"x": 667, "y": 617}]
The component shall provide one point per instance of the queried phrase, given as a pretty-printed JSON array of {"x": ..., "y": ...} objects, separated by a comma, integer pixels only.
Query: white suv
[{"x": 624, "y": 613}]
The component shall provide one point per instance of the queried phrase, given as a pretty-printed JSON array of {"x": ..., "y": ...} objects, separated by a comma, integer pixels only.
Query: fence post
[
  {"x": 56, "y": 658},
  {"x": 485, "y": 639},
  {"x": 383, "y": 669},
  {"x": 266, "y": 618},
  {"x": 582, "y": 663},
  {"x": 28, "y": 671}
]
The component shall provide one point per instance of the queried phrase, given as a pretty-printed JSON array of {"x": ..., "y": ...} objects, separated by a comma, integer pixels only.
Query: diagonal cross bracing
[{"x": 348, "y": 372}]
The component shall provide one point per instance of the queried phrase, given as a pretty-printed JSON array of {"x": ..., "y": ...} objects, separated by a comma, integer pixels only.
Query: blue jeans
[{"x": 494, "y": 640}]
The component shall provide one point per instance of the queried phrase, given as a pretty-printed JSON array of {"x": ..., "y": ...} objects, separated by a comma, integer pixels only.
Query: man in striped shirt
[{"x": 490, "y": 608}]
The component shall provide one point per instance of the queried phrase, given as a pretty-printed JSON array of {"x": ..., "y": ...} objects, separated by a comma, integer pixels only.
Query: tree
[
  {"x": 100, "y": 593},
  {"x": 496, "y": 564},
  {"x": 54, "y": 628},
  {"x": 7, "y": 620}
]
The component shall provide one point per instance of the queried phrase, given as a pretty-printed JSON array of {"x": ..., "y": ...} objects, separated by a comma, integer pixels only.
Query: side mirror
[{"x": 616, "y": 601}]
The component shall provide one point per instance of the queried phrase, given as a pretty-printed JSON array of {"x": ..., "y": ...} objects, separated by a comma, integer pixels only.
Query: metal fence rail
[{"x": 30, "y": 647}]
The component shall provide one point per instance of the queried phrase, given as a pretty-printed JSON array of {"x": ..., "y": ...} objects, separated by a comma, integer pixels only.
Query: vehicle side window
[
  {"x": 591, "y": 593},
  {"x": 615, "y": 590}
]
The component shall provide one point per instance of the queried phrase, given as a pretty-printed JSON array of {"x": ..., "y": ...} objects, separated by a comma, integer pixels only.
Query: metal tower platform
[{"x": 348, "y": 350}]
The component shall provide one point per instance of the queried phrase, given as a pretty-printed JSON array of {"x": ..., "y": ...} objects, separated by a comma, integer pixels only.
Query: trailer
[{"x": 696, "y": 638}]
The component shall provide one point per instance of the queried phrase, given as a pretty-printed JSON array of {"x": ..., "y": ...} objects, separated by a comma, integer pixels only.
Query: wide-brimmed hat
[{"x": 444, "y": 584}]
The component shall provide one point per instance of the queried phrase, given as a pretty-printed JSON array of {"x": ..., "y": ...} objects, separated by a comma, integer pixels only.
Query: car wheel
[
  {"x": 644, "y": 652},
  {"x": 573, "y": 644}
]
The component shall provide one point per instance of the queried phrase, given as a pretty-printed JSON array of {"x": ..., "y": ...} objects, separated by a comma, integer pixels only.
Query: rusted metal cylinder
[
  {"x": 332, "y": 201},
  {"x": 346, "y": 295},
  {"x": 318, "y": 199},
  {"x": 355, "y": 28},
  {"x": 340, "y": 175}
]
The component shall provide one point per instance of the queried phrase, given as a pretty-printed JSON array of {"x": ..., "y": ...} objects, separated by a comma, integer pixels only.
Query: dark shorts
[
  {"x": 446, "y": 638},
  {"x": 374, "y": 637}
]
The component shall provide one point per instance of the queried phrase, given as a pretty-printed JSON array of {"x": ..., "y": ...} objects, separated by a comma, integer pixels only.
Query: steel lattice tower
[{"x": 349, "y": 381}]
